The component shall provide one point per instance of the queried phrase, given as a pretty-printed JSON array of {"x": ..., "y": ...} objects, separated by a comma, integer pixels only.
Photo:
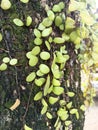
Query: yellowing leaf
[
  {"x": 27, "y": 127},
  {"x": 86, "y": 18},
  {"x": 15, "y": 105},
  {"x": 18, "y": 22},
  {"x": 5, "y": 4},
  {"x": 74, "y": 5}
]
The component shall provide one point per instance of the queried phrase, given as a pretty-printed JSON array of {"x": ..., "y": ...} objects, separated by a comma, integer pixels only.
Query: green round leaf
[
  {"x": 0, "y": 37},
  {"x": 61, "y": 5},
  {"x": 37, "y": 33},
  {"x": 5, "y": 4},
  {"x": 38, "y": 96},
  {"x": 44, "y": 102},
  {"x": 56, "y": 8},
  {"x": 29, "y": 55},
  {"x": 38, "y": 41},
  {"x": 44, "y": 55},
  {"x": 3, "y": 67},
  {"x": 24, "y": 1},
  {"x": 44, "y": 68},
  {"x": 28, "y": 21},
  {"x": 46, "y": 32},
  {"x": 35, "y": 51},
  {"x": 18, "y": 22},
  {"x": 6, "y": 59},
  {"x": 58, "y": 90},
  {"x": 13, "y": 61},
  {"x": 47, "y": 22},
  {"x": 33, "y": 61},
  {"x": 31, "y": 77},
  {"x": 73, "y": 111},
  {"x": 58, "y": 21}
]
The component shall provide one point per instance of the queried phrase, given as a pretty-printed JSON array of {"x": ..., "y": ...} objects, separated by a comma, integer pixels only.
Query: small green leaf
[
  {"x": 5, "y": 4},
  {"x": 38, "y": 41},
  {"x": 73, "y": 111},
  {"x": 27, "y": 127},
  {"x": 44, "y": 110},
  {"x": 29, "y": 55},
  {"x": 58, "y": 21},
  {"x": 3, "y": 67},
  {"x": 70, "y": 94},
  {"x": 41, "y": 27},
  {"x": 47, "y": 85},
  {"x": 18, "y": 22},
  {"x": 47, "y": 45},
  {"x": 31, "y": 77},
  {"x": 62, "y": 102},
  {"x": 56, "y": 8},
  {"x": 58, "y": 90},
  {"x": 47, "y": 22},
  {"x": 6, "y": 59},
  {"x": 28, "y": 21},
  {"x": 46, "y": 32},
  {"x": 24, "y": 1},
  {"x": 49, "y": 115},
  {"x": 39, "y": 73},
  {"x": 69, "y": 105},
  {"x": 53, "y": 100},
  {"x": 82, "y": 107},
  {"x": 33, "y": 61},
  {"x": 68, "y": 122},
  {"x": 36, "y": 50},
  {"x": 59, "y": 40},
  {"x": 37, "y": 33},
  {"x": 44, "y": 102},
  {"x": 61, "y": 5},
  {"x": 38, "y": 96},
  {"x": 13, "y": 61},
  {"x": 39, "y": 82},
  {"x": 56, "y": 82},
  {"x": 1, "y": 37},
  {"x": 50, "y": 15},
  {"x": 45, "y": 55},
  {"x": 44, "y": 68}
]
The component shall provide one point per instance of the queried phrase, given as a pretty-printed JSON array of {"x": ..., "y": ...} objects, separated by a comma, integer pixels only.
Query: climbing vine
[{"x": 64, "y": 46}]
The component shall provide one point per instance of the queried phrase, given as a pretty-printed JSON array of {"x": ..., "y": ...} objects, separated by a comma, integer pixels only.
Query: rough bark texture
[{"x": 16, "y": 42}]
